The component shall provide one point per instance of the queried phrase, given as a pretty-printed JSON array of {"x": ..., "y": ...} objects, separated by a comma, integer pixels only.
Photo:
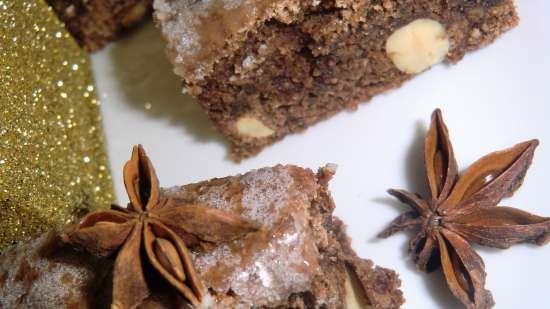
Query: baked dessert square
[
  {"x": 94, "y": 23},
  {"x": 297, "y": 256},
  {"x": 264, "y": 69}
]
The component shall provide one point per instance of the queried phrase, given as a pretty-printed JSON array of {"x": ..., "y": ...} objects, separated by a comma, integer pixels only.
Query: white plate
[{"x": 492, "y": 99}]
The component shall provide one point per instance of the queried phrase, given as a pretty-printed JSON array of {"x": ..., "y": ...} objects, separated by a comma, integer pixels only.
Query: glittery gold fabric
[{"x": 53, "y": 167}]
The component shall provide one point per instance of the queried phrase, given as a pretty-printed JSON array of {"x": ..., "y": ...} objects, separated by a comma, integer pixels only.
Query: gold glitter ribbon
[{"x": 53, "y": 166}]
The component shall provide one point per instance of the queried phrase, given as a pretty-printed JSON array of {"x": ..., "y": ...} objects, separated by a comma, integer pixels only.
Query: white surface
[{"x": 493, "y": 99}]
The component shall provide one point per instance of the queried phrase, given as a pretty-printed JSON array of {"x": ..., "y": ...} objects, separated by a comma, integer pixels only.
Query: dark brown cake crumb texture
[{"x": 290, "y": 75}]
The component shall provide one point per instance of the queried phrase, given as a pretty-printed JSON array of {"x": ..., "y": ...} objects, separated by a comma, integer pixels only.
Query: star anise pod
[
  {"x": 463, "y": 209},
  {"x": 152, "y": 232}
]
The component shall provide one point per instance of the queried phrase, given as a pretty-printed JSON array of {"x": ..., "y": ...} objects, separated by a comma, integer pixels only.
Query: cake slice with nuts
[
  {"x": 265, "y": 239},
  {"x": 263, "y": 69}
]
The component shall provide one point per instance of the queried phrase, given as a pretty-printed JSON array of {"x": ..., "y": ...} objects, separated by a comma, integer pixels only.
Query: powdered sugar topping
[
  {"x": 40, "y": 291},
  {"x": 269, "y": 276},
  {"x": 200, "y": 32},
  {"x": 266, "y": 192},
  {"x": 265, "y": 267}
]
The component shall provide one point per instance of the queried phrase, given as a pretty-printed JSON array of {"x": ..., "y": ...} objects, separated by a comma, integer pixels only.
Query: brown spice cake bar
[
  {"x": 299, "y": 257},
  {"x": 263, "y": 69},
  {"x": 94, "y": 23}
]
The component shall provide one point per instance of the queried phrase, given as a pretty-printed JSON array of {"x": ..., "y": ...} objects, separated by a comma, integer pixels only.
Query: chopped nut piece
[
  {"x": 355, "y": 297},
  {"x": 418, "y": 45},
  {"x": 252, "y": 127}
]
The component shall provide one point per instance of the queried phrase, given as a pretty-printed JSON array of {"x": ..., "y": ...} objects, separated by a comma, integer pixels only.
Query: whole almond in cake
[{"x": 418, "y": 45}]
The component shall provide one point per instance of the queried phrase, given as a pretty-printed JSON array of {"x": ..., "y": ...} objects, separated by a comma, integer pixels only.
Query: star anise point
[{"x": 154, "y": 228}]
